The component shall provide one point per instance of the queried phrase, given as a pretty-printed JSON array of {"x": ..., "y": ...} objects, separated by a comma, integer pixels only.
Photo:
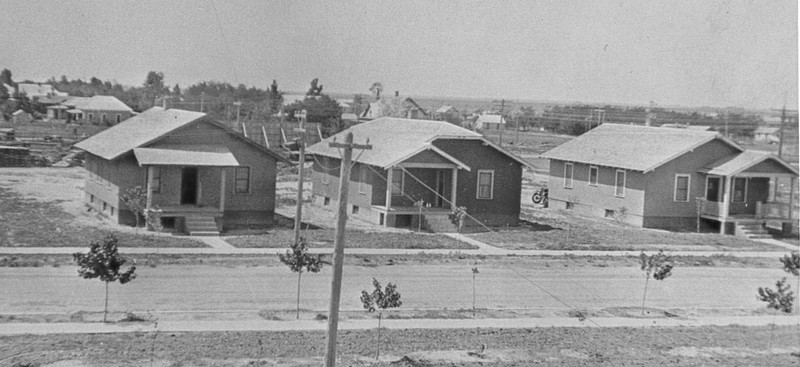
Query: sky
[{"x": 690, "y": 53}]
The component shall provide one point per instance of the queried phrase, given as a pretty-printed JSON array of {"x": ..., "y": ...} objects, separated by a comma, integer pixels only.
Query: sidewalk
[{"x": 313, "y": 325}]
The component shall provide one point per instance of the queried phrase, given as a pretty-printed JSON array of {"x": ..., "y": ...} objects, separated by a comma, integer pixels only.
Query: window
[
  {"x": 156, "y": 179},
  {"x": 103, "y": 118},
  {"x": 242, "y": 180},
  {"x": 90, "y": 117},
  {"x": 682, "y": 182},
  {"x": 739, "y": 189},
  {"x": 326, "y": 201},
  {"x": 568, "y": 168},
  {"x": 119, "y": 118},
  {"x": 91, "y": 198},
  {"x": 362, "y": 180},
  {"x": 398, "y": 180},
  {"x": 593, "y": 171},
  {"x": 569, "y": 205},
  {"x": 325, "y": 171},
  {"x": 619, "y": 185},
  {"x": 485, "y": 184},
  {"x": 355, "y": 209}
]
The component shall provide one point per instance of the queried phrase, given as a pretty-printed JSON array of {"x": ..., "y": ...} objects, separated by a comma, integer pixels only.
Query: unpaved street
[{"x": 214, "y": 288}]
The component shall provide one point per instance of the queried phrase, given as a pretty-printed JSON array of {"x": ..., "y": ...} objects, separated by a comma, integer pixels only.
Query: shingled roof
[
  {"x": 395, "y": 139},
  {"x": 97, "y": 103},
  {"x": 638, "y": 148},
  {"x": 148, "y": 127}
]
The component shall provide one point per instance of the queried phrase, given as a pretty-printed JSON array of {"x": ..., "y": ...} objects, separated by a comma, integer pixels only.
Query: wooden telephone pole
[
  {"x": 301, "y": 163},
  {"x": 338, "y": 244}
]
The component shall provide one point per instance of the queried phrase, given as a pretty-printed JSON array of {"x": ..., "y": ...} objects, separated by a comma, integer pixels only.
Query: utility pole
[
  {"x": 780, "y": 143},
  {"x": 338, "y": 251},
  {"x": 202, "y": 100},
  {"x": 301, "y": 163},
  {"x": 238, "y": 105}
]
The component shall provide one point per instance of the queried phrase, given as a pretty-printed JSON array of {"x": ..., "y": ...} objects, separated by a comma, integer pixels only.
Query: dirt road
[{"x": 249, "y": 289}]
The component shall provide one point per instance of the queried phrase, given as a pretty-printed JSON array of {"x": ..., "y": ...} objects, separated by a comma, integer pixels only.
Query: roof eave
[{"x": 693, "y": 147}]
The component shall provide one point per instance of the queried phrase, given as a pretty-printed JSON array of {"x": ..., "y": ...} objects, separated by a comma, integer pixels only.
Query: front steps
[
  {"x": 752, "y": 231},
  {"x": 201, "y": 225}
]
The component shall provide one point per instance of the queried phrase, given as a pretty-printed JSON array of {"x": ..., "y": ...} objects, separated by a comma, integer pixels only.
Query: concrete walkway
[{"x": 365, "y": 324}]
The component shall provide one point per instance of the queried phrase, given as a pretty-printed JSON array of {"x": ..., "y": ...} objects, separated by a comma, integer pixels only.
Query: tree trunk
[
  {"x": 378, "y": 355},
  {"x": 644, "y": 297},
  {"x": 105, "y": 311},
  {"x": 473, "y": 295},
  {"x": 298, "y": 294}
]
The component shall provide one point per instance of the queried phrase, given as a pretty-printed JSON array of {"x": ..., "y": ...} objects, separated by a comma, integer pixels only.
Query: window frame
[
  {"x": 617, "y": 186},
  {"x": 362, "y": 179},
  {"x": 688, "y": 187},
  {"x": 236, "y": 180},
  {"x": 491, "y": 184},
  {"x": 400, "y": 190},
  {"x": 744, "y": 189},
  {"x": 596, "y": 175},
  {"x": 568, "y": 184}
]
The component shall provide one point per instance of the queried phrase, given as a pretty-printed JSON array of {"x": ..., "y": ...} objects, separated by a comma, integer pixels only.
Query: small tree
[
  {"x": 659, "y": 266},
  {"x": 382, "y": 299},
  {"x": 474, "y": 273},
  {"x": 791, "y": 265},
  {"x": 104, "y": 262},
  {"x": 298, "y": 259},
  {"x": 135, "y": 198},
  {"x": 780, "y": 299}
]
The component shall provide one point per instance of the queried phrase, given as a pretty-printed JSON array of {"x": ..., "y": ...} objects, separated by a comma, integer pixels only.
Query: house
[
  {"x": 106, "y": 110},
  {"x": 14, "y": 156},
  {"x": 766, "y": 134},
  {"x": 660, "y": 178},
  {"x": 446, "y": 109},
  {"x": 490, "y": 122},
  {"x": 202, "y": 175},
  {"x": 434, "y": 163},
  {"x": 396, "y": 106},
  {"x": 21, "y": 117},
  {"x": 35, "y": 91}
]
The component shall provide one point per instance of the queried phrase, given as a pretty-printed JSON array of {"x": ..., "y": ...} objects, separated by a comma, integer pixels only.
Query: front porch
[{"x": 749, "y": 191}]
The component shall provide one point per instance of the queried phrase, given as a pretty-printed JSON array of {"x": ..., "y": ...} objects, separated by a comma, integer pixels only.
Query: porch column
[
  {"x": 791, "y": 200},
  {"x": 150, "y": 174},
  {"x": 726, "y": 198},
  {"x": 222, "y": 190},
  {"x": 388, "y": 190},
  {"x": 453, "y": 188}
]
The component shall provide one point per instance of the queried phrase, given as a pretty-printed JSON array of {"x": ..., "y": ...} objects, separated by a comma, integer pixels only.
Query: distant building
[
  {"x": 14, "y": 156},
  {"x": 490, "y": 122},
  {"x": 767, "y": 134},
  {"x": 38, "y": 90},
  {"x": 21, "y": 117},
  {"x": 396, "y": 106},
  {"x": 97, "y": 110},
  {"x": 652, "y": 177},
  {"x": 204, "y": 176}
]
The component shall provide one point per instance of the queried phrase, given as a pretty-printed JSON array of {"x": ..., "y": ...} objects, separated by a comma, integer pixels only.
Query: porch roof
[
  {"x": 733, "y": 165},
  {"x": 200, "y": 155}
]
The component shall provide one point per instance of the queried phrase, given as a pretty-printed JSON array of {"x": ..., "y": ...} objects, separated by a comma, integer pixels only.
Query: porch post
[
  {"x": 150, "y": 174},
  {"x": 453, "y": 188},
  {"x": 791, "y": 200},
  {"x": 726, "y": 198},
  {"x": 388, "y": 190},
  {"x": 222, "y": 190}
]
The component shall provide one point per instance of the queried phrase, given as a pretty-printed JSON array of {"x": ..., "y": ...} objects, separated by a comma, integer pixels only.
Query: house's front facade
[
  {"x": 416, "y": 173},
  {"x": 667, "y": 178},
  {"x": 202, "y": 176},
  {"x": 490, "y": 122}
]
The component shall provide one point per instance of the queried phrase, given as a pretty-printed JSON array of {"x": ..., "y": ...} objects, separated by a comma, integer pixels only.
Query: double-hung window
[
  {"x": 242, "y": 177},
  {"x": 397, "y": 181},
  {"x": 619, "y": 184},
  {"x": 682, "y": 182},
  {"x": 362, "y": 180},
  {"x": 593, "y": 174},
  {"x": 568, "y": 169},
  {"x": 485, "y": 184},
  {"x": 739, "y": 189}
]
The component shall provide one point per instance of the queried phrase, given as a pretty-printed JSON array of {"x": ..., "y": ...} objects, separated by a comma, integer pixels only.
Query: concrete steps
[
  {"x": 753, "y": 231},
  {"x": 201, "y": 225},
  {"x": 439, "y": 224}
]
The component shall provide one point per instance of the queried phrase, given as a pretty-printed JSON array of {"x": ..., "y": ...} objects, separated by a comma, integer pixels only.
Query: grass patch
[
  {"x": 546, "y": 232},
  {"x": 30, "y": 223},
  {"x": 323, "y": 238}
]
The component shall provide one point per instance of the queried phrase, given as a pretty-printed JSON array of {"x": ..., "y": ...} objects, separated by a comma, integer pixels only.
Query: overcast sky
[{"x": 715, "y": 53}]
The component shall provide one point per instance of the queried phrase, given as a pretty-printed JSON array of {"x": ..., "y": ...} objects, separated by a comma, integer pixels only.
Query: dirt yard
[{"x": 700, "y": 346}]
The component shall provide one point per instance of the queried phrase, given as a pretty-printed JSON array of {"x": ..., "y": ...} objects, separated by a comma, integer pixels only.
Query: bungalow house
[
  {"x": 202, "y": 175},
  {"x": 106, "y": 110},
  {"x": 419, "y": 170},
  {"x": 663, "y": 178},
  {"x": 490, "y": 122},
  {"x": 766, "y": 134}
]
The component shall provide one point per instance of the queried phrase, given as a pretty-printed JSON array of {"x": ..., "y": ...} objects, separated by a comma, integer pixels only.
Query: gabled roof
[
  {"x": 733, "y": 165},
  {"x": 186, "y": 155},
  {"x": 97, "y": 103},
  {"x": 148, "y": 127},
  {"x": 638, "y": 148},
  {"x": 37, "y": 89},
  {"x": 395, "y": 139}
]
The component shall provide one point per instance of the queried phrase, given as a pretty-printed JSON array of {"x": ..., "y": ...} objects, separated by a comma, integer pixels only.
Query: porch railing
[
  {"x": 712, "y": 208},
  {"x": 773, "y": 210}
]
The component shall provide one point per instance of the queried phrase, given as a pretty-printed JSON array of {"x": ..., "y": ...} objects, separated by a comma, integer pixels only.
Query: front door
[
  {"x": 441, "y": 179},
  {"x": 712, "y": 188},
  {"x": 189, "y": 186}
]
